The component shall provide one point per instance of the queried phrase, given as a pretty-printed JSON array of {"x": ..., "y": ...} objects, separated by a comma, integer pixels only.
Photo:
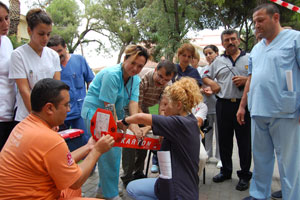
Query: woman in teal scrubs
[{"x": 118, "y": 86}]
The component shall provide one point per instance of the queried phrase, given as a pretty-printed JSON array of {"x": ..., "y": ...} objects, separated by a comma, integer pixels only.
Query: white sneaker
[
  {"x": 154, "y": 169},
  {"x": 219, "y": 164}
]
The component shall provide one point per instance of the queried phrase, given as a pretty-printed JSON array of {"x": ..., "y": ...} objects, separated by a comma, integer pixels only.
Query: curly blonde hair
[{"x": 185, "y": 90}]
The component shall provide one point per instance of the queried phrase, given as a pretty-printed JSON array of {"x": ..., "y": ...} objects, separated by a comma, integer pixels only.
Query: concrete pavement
[{"x": 207, "y": 191}]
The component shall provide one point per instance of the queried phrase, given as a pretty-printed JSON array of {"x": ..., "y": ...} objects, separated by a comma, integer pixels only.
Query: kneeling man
[{"x": 35, "y": 162}]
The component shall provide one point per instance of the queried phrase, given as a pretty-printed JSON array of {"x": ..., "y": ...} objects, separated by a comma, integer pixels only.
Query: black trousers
[
  {"x": 133, "y": 164},
  {"x": 5, "y": 129},
  {"x": 226, "y": 110}
]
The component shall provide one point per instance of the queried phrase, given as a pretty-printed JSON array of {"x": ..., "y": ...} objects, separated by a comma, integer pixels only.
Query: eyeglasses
[{"x": 160, "y": 77}]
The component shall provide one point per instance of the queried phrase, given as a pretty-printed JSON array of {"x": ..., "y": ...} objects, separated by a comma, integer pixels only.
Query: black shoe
[
  {"x": 139, "y": 176},
  {"x": 242, "y": 185},
  {"x": 277, "y": 195},
  {"x": 220, "y": 178},
  {"x": 126, "y": 181},
  {"x": 125, "y": 184}
]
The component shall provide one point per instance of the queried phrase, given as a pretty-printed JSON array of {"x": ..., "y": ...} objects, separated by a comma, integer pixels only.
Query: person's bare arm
[
  {"x": 145, "y": 129},
  {"x": 200, "y": 121},
  {"x": 239, "y": 80},
  {"x": 104, "y": 144},
  {"x": 213, "y": 85},
  {"x": 140, "y": 109},
  {"x": 240, "y": 115},
  {"x": 56, "y": 76},
  {"x": 81, "y": 152},
  {"x": 134, "y": 109},
  {"x": 139, "y": 118},
  {"x": 25, "y": 92}
]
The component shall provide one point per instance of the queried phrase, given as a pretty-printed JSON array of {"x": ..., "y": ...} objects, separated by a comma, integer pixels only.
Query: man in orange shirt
[{"x": 35, "y": 162}]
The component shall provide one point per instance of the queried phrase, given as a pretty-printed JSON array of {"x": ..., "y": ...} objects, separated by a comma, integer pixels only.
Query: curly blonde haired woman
[{"x": 181, "y": 138}]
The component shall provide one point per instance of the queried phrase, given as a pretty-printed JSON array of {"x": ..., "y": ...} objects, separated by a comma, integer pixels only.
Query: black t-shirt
[
  {"x": 189, "y": 72},
  {"x": 181, "y": 138}
]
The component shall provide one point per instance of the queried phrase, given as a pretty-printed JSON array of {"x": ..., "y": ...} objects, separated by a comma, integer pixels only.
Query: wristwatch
[{"x": 124, "y": 122}]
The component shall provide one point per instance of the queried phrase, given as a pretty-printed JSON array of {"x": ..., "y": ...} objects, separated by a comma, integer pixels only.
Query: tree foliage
[
  {"x": 119, "y": 23},
  {"x": 66, "y": 17},
  {"x": 289, "y": 17},
  {"x": 15, "y": 42},
  {"x": 165, "y": 23},
  {"x": 162, "y": 25},
  {"x": 73, "y": 23},
  {"x": 236, "y": 14}
]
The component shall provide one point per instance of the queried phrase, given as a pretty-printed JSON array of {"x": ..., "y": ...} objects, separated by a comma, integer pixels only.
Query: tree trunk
[
  {"x": 121, "y": 53},
  {"x": 14, "y": 16}
]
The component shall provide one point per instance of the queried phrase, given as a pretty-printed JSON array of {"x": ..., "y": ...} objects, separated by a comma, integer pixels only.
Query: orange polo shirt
[{"x": 35, "y": 162}]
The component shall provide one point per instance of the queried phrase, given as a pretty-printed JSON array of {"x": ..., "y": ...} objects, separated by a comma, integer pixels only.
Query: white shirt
[
  {"x": 7, "y": 87},
  {"x": 26, "y": 63}
]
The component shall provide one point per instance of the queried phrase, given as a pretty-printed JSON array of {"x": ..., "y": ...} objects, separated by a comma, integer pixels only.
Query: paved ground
[{"x": 207, "y": 191}]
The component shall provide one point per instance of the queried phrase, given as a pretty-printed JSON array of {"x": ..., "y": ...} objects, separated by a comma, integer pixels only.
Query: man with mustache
[
  {"x": 152, "y": 85},
  {"x": 230, "y": 72},
  {"x": 77, "y": 74}
]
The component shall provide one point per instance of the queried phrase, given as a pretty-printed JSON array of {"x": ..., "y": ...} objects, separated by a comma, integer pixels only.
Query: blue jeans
[{"x": 142, "y": 189}]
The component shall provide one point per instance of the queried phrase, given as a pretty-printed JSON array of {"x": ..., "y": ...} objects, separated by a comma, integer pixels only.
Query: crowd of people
[{"x": 252, "y": 96}]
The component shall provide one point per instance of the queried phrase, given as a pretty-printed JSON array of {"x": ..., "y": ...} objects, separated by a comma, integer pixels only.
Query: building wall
[
  {"x": 22, "y": 29},
  {"x": 204, "y": 38}
]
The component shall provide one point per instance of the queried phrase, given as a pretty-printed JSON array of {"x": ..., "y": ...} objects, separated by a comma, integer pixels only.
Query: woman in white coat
[
  {"x": 33, "y": 61},
  {"x": 7, "y": 87}
]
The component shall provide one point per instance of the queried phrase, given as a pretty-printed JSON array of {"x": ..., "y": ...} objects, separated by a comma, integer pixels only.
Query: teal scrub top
[{"x": 108, "y": 86}]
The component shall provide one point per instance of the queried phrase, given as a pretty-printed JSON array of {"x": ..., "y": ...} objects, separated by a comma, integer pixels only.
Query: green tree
[
  {"x": 118, "y": 22},
  {"x": 15, "y": 42},
  {"x": 66, "y": 17},
  {"x": 236, "y": 14},
  {"x": 165, "y": 23},
  {"x": 73, "y": 23},
  {"x": 289, "y": 17}
]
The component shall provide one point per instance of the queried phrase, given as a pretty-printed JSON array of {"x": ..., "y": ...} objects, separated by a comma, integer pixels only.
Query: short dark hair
[
  {"x": 37, "y": 16},
  {"x": 4, "y": 6},
  {"x": 229, "y": 32},
  {"x": 271, "y": 8},
  {"x": 212, "y": 47},
  {"x": 169, "y": 66},
  {"x": 56, "y": 40},
  {"x": 46, "y": 91}
]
